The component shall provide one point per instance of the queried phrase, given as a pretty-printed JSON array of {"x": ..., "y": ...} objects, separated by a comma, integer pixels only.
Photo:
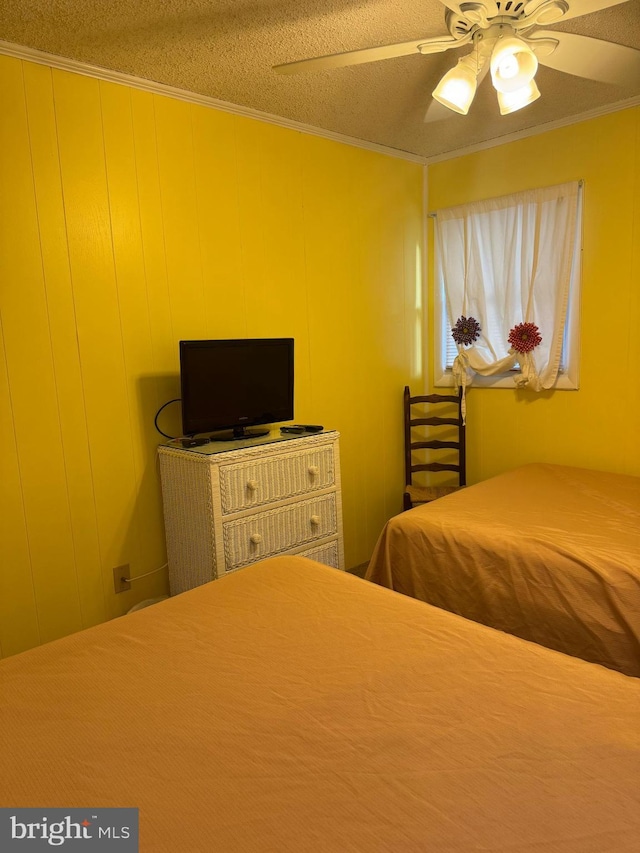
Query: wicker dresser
[{"x": 226, "y": 506}]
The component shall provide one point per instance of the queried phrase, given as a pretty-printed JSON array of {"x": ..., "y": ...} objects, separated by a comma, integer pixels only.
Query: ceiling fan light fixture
[
  {"x": 510, "y": 102},
  {"x": 513, "y": 65},
  {"x": 457, "y": 89}
]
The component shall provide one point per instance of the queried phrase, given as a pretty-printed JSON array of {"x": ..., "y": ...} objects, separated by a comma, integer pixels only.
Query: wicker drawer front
[
  {"x": 268, "y": 533},
  {"x": 327, "y": 554},
  {"x": 263, "y": 481}
]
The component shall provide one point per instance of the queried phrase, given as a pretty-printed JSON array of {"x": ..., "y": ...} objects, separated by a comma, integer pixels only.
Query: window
[{"x": 503, "y": 262}]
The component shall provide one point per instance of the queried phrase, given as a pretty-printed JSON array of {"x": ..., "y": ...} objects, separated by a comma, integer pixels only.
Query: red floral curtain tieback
[{"x": 524, "y": 337}]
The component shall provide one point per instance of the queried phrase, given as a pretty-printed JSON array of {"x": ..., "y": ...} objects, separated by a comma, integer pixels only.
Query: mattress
[
  {"x": 546, "y": 552},
  {"x": 291, "y": 707}
]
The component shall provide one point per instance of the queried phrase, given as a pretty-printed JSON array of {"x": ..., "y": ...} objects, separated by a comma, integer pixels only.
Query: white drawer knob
[
  {"x": 313, "y": 470},
  {"x": 256, "y": 538},
  {"x": 252, "y": 485},
  {"x": 315, "y": 519}
]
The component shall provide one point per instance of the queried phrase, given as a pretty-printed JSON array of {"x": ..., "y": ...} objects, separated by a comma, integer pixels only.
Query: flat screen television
[{"x": 231, "y": 385}]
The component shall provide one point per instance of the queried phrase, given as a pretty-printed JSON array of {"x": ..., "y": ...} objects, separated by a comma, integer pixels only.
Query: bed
[
  {"x": 549, "y": 553},
  {"x": 293, "y": 707}
]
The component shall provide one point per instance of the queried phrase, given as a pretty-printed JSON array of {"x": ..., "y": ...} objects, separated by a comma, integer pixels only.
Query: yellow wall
[
  {"x": 128, "y": 221},
  {"x": 596, "y": 426}
]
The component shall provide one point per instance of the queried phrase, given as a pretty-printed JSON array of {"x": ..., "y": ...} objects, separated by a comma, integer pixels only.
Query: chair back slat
[
  {"x": 435, "y": 444},
  {"x": 421, "y": 413},
  {"x": 434, "y": 421},
  {"x": 434, "y": 398},
  {"x": 435, "y": 466}
]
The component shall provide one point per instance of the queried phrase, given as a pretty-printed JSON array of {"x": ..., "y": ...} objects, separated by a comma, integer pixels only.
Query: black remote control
[
  {"x": 299, "y": 428},
  {"x": 194, "y": 442}
]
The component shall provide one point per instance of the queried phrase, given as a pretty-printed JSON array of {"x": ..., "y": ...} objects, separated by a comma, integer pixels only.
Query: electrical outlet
[{"x": 121, "y": 578}]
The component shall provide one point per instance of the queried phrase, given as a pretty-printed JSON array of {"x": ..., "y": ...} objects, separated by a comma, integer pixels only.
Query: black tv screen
[{"x": 235, "y": 384}]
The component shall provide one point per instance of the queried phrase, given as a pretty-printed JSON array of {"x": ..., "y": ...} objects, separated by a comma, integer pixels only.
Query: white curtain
[{"x": 507, "y": 261}]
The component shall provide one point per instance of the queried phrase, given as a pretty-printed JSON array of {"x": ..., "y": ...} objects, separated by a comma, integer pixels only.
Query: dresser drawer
[
  {"x": 267, "y": 533},
  {"x": 329, "y": 554},
  {"x": 262, "y": 481}
]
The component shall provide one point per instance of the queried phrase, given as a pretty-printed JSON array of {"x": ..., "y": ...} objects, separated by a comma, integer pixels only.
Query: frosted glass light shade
[
  {"x": 457, "y": 88},
  {"x": 513, "y": 65},
  {"x": 509, "y": 102}
]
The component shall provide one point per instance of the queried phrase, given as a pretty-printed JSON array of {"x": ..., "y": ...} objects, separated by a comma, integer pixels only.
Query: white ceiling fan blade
[
  {"x": 453, "y": 5},
  {"x": 577, "y": 8},
  {"x": 368, "y": 54},
  {"x": 593, "y": 58}
]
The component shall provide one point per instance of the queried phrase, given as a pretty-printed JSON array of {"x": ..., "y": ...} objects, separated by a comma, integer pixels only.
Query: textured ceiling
[{"x": 225, "y": 49}]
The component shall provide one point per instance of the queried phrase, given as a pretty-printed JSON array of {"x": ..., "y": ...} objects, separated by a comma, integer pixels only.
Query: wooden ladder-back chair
[{"x": 418, "y": 414}]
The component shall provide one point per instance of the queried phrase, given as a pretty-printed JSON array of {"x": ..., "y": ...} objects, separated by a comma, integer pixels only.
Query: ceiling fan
[{"x": 505, "y": 40}]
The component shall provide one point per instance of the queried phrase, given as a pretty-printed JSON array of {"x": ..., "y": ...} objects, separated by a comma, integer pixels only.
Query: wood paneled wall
[{"x": 130, "y": 220}]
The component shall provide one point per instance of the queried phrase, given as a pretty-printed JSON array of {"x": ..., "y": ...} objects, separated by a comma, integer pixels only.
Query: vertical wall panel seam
[
  {"x": 75, "y": 323},
  {"x": 259, "y": 155},
  {"x": 24, "y": 514},
  {"x": 33, "y": 590},
  {"x": 162, "y": 217},
  {"x": 164, "y": 246},
  {"x": 241, "y": 266},
  {"x": 164, "y": 241},
  {"x": 53, "y": 361},
  {"x": 144, "y": 255},
  {"x": 80, "y": 367},
  {"x": 196, "y": 194},
  {"x": 305, "y": 261},
  {"x": 136, "y": 472}
]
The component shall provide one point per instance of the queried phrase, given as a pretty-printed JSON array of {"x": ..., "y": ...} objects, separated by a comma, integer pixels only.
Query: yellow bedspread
[
  {"x": 547, "y": 552},
  {"x": 291, "y": 707}
]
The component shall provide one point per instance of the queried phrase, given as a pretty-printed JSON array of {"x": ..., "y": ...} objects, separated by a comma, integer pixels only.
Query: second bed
[{"x": 546, "y": 552}]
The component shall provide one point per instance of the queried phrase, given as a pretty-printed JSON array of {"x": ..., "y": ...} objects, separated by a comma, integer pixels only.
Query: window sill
[{"x": 564, "y": 382}]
